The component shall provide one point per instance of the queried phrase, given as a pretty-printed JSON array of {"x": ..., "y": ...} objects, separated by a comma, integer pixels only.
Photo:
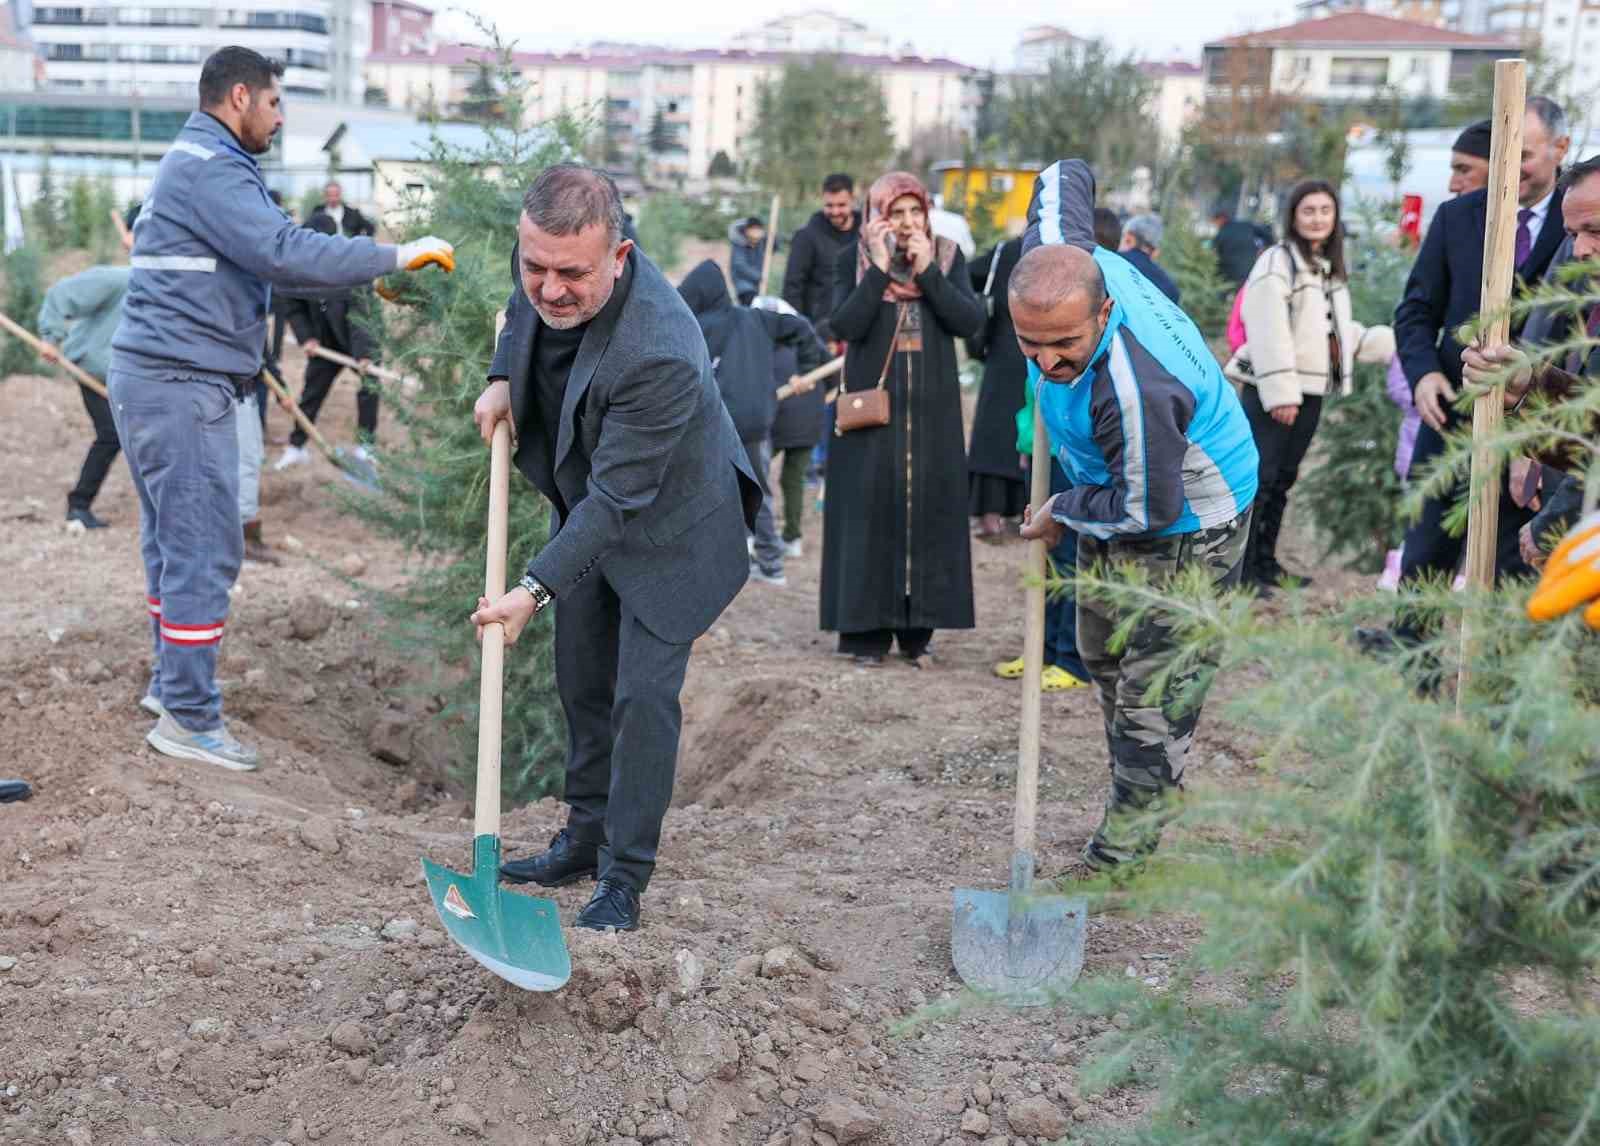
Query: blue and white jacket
[
  {"x": 1151, "y": 434},
  {"x": 208, "y": 247}
]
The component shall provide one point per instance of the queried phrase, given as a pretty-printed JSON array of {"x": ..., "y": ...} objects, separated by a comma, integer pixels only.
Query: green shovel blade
[{"x": 517, "y": 937}]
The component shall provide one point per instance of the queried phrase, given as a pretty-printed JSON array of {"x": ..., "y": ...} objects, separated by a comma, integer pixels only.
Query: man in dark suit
[
  {"x": 605, "y": 377},
  {"x": 1443, "y": 292},
  {"x": 344, "y": 219}
]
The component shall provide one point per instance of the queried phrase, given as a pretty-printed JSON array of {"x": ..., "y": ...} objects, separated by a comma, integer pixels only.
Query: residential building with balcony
[
  {"x": 127, "y": 47},
  {"x": 1351, "y": 56}
]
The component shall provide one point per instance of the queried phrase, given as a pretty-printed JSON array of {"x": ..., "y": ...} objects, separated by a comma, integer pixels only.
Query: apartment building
[
  {"x": 678, "y": 110},
  {"x": 1353, "y": 55},
  {"x": 127, "y": 47}
]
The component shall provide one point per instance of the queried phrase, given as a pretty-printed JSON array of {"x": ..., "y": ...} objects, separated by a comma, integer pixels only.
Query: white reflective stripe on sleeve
[
  {"x": 174, "y": 263},
  {"x": 1050, "y": 205},
  {"x": 194, "y": 149}
]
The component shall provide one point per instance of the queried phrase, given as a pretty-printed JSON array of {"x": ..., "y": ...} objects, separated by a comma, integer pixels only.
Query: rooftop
[
  {"x": 1361, "y": 29},
  {"x": 1171, "y": 68}
]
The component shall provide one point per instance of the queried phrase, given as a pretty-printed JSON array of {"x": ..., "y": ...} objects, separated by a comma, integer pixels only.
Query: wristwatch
[{"x": 541, "y": 595}]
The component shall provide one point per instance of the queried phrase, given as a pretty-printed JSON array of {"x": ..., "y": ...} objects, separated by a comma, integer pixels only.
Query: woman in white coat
[{"x": 1302, "y": 344}]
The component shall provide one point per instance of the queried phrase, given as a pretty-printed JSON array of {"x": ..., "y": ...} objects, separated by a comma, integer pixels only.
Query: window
[
  {"x": 301, "y": 58},
  {"x": 77, "y": 51},
  {"x": 251, "y": 18},
  {"x": 161, "y": 17},
  {"x": 1419, "y": 65},
  {"x": 1299, "y": 66},
  {"x": 71, "y": 16},
  {"x": 160, "y": 53},
  {"x": 1358, "y": 72}
]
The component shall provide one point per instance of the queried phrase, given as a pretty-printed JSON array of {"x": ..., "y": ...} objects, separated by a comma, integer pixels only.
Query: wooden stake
[
  {"x": 772, "y": 240},
  {"x": 1499, "y": 275}
]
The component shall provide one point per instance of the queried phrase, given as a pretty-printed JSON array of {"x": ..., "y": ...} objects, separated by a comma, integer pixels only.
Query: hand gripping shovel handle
[
  {"x": 826, "y": 370},
  {"x": 79, "y": 374},
  {"x": 377, "y": 372},
  {"x": 486, "y": 816},
  {"x": 1024, "y": 825}
]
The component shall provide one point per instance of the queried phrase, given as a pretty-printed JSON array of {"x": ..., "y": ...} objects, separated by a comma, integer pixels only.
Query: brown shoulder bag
[{"x": 867, "y": 409}]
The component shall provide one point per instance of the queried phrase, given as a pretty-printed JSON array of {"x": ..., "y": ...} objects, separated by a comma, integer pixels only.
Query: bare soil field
[{"x": 189, "y": 955}]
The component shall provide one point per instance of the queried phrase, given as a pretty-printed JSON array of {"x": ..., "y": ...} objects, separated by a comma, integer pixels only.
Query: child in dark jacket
[{"x": 743, "y": 343}]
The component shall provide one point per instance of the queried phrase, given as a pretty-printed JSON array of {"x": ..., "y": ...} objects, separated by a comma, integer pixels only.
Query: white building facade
[{"x": 127, "y": 47}]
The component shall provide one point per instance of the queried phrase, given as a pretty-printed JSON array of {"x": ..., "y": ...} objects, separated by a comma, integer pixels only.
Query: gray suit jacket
[{"x": 659, "y": 489}]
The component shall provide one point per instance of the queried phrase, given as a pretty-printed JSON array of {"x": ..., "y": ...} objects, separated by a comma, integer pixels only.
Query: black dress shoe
[
  {"x": 565, "y": 861},
  {"x": 87, "y": 519},
  {"x": 614, "y": 906}
]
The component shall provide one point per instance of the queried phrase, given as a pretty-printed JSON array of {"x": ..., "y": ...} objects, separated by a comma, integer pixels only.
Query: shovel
[
  {"x": 1019, "y": 946},
  {"x": 355, "y": 469},
  {"x": 516, "y": 936}
]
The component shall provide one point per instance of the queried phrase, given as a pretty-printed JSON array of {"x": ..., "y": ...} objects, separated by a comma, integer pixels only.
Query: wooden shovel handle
[
  {"x": 1023, "y": 830},
  {"x": 355, "y": 364},
  {"x": 299, "y": 415},
  {"x": 826, "y": 370},
  {"x": 79, "y": 374},
  {"x": 486, "y": 802}
]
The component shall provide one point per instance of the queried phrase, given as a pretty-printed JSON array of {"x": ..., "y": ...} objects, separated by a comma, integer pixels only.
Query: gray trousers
[
  {"x": 769, "y": 546},
  {"x": 182, "y": 446},
  {"x": 619, "y": 686}
]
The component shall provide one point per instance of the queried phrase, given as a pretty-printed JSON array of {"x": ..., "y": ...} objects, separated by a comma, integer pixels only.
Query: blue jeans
[
  {"x": 182, "y": 447},
  {"x": 1061, "y": 609}
]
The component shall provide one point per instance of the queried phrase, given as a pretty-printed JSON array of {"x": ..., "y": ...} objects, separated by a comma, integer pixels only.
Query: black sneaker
[
  {"x": 565, "y": 861},
  {"x": 613, "y": 907},
  {"x": 86, "y": 518}
]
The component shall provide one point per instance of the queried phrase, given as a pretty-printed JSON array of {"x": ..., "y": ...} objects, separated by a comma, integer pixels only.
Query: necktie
[{"x": 1524, "y": 236}]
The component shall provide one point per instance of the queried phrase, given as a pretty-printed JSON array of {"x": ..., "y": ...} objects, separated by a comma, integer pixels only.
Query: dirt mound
[{"x": 731, "y": 749}]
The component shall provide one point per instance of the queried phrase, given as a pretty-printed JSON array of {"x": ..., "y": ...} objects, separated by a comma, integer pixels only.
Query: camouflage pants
[{"x": 1148, "y": 737}]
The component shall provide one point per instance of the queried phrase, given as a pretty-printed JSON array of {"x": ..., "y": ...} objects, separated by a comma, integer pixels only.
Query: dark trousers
[
  {"x": 320, "y": 375},
  {"x": 878, "y": 642},
  {"x": 792, "y": 483},
  {"x": 1282, "y": 449},
  {"x": 1061, "y": 609},
  {"x": 102, "y": 452},
  {"x": 1429, "y": 549},
  {"x": 619, "y": 686}
]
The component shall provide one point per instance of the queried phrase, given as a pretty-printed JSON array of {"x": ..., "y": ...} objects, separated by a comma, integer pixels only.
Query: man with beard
[
  {"x": 605, "y": 377},
  {"x": 1162, "y": 468},
  {"x": 208, "y": 247}
]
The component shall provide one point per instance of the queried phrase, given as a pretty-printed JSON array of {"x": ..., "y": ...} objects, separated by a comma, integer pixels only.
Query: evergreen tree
[
  {"x": 722, "y": 167},
  {"x": 820, "y": 115},
  {"x": 663, "y": 136},
  {"x": 434, "y": 496},
  {"x": 24, "y": 294},
  {"x": 1189, "y": 259},
  {"x": 80, "y": 218},
  {"x": 45, "y": 213},
  {"x": 484, "y": 101},
  {"x": 1407, "y": 867},
  {"x": 1092, "y": 103}
]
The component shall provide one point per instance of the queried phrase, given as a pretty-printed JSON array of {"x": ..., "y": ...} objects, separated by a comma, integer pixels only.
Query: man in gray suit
[{"x": 605, "y": 377}]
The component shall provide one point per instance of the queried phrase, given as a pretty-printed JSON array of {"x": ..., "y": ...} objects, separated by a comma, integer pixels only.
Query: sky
[{"x": 977, "y": 32}]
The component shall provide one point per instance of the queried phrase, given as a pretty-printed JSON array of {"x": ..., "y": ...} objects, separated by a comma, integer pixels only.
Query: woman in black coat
[
  {"x": 896, "y": 557},
  {"x": 995, "y": 483}
]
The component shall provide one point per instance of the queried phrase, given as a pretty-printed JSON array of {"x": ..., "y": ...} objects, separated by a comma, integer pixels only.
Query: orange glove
[
  {"x": 1572, "y": 576},
  {"x": 418, "y": 253}
]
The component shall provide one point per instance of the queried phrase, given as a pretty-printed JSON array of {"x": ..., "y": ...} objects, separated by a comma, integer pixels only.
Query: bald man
[{"x": 1163, "y": 472}]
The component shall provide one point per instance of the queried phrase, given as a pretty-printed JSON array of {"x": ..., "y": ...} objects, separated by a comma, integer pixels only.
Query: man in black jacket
[
  {"x": 742, "y": 343},
  {"x": 1237, "y": 244},
  {"x": 339, "y": 320},
  {"x": 1443, "y": 292},
  {"x": 606, "y": 380},
  {"x": 815, "y": 248}
]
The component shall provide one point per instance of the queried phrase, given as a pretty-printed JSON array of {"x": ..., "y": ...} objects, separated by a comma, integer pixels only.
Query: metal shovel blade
[
  {"x": 356, "y": 469},
  {"x": 518, "y": 937},
  {"x": 1026, "y": 949}
]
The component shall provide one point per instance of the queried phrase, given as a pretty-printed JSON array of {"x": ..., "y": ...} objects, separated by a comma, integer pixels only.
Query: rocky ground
[{"x": 193, "y": 956}]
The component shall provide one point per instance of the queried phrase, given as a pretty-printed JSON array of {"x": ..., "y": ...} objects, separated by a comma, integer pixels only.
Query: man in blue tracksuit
[
  {"x": 208, "y": 247},
  {"x": 1163, "y": 473}
]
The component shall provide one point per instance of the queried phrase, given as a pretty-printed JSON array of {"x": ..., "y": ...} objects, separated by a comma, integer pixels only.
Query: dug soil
[{"x": 189, "y": 955}]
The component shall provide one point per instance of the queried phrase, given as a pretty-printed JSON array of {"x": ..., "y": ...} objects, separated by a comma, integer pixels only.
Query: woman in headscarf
[{"x": 896, "y": 562}]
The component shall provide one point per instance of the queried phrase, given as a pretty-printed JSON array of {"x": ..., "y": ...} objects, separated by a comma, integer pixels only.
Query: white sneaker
[
  {"x": 794, "y": 548},
  {"x": 153, "y": 706},
  {"x": 750, "y": 546},
  {"x": 291, "y": 456},
  {"x": 364, "y": 454},
  {"x": 776, "y": 578},
  {"x": 217, "y": 746}
]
